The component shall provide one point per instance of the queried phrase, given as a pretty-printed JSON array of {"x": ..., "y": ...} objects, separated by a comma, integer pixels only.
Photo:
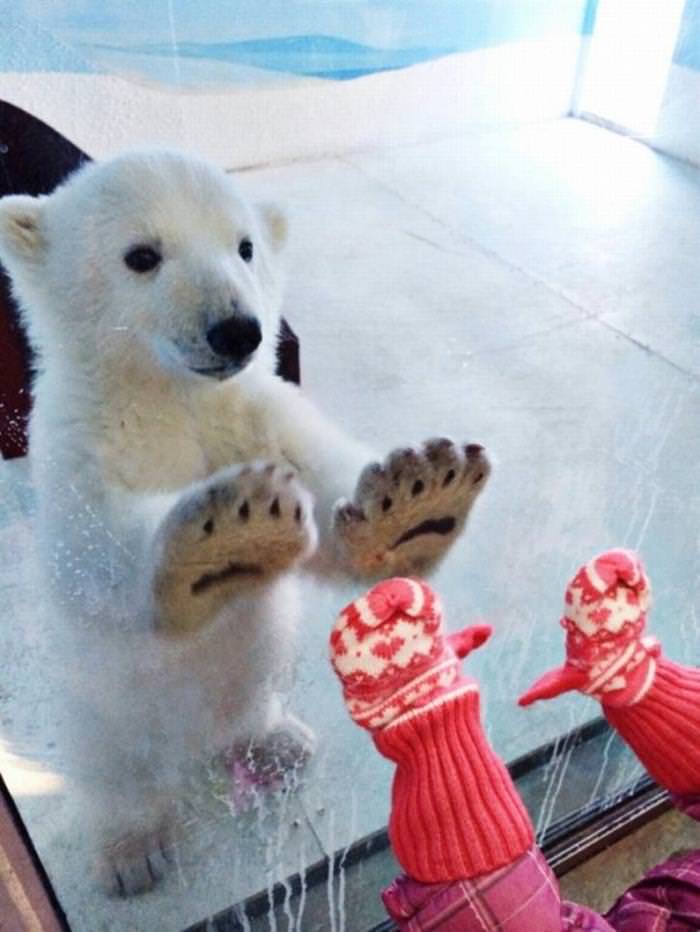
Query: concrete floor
[{"x": 535, "y": 289}]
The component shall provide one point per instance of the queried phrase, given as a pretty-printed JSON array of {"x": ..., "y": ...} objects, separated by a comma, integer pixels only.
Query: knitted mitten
[
  {"x": 652, "y": 702},
  {"x": 455, "y": 812}
]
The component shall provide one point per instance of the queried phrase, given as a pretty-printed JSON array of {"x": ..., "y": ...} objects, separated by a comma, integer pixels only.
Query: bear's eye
[
  {"x": 142, "y": 258},
  {"x": 245, "y": 250}
]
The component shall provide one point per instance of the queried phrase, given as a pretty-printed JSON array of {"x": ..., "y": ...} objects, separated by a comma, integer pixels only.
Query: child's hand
[
  {"x": 391, "y": 653},
  {"x": 607, "y": 655}
]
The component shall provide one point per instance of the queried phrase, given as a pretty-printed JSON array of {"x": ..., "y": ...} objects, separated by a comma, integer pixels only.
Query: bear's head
[{"x": 155, "y": 250}]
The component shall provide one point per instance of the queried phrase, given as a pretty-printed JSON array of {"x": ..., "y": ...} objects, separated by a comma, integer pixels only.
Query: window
[{"x": 464, "y": 259}]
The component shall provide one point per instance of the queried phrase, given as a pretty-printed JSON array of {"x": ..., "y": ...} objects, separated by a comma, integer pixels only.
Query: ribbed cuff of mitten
[
  {"x": 455, "y": 811},
  {"x": 663, "y": 729}
]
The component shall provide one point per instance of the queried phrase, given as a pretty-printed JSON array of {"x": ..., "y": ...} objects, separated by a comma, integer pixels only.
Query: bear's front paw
[
  {"x": 407, "y": 511},
  {"x": 238, "y": 529}
]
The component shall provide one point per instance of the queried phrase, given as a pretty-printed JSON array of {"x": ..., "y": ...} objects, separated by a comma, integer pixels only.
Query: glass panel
[{"x": 462, "y": 261}]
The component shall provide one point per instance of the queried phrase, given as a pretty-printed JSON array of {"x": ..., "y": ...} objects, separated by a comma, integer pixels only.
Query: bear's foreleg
[{"x": 404, "y": 513}]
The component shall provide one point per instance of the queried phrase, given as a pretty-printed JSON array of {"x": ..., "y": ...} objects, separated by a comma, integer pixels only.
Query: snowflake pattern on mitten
[
  {"x": 608, "y": 656},
  {"x": 391, "y": 652}
]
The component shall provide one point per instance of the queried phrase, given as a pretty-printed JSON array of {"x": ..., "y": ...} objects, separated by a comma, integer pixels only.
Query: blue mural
[
  {"x": 687, "y": 51},
  {"x": 313, "y": 56},
  {"x": 177, "y": 41}
]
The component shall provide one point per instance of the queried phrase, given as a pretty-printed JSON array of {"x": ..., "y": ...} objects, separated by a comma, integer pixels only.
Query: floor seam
[
  {"x": 525, "y": 338},
  {"x": 584, "y": 313},
  {"x": 647, "y": 349},
  {"x": 469, "y": 240},
  {"x": 312, "y": 827}
]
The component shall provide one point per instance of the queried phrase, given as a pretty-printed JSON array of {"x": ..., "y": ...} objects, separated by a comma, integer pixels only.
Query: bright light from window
[{"x": 629, "y": 61}]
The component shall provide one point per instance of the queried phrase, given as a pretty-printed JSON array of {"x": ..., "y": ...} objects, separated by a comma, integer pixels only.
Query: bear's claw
[{"x": 407, "y": 511}]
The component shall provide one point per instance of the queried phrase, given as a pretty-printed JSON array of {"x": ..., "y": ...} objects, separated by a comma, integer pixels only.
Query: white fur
[{"x": 123, "y": 432}]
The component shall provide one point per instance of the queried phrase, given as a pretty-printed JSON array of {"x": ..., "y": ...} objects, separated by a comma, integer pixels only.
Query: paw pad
[
  {"x": 407, "y": 511},
  {"x": 242, "y": 526}
]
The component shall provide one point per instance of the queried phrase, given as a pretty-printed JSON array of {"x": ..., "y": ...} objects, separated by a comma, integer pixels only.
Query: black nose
[{"x": 236, "y": 337}]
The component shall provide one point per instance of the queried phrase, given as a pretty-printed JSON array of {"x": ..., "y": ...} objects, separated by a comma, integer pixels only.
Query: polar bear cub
[{"x": 180, "y": 483}]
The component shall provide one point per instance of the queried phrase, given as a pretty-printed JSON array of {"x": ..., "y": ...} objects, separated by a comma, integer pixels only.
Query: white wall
[
  {"x": 300, "y": 118},
  {"x": 678, "y": 128}
]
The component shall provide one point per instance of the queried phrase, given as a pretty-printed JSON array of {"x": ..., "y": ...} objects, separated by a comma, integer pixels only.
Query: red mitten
[
  {"x": 607, "y": 654},
  {"x": 391, "y": 652},
  {"x": 468, "y": 639},
  {"x": 455, "y": 812},
  {"x": 652, "y": 702}
]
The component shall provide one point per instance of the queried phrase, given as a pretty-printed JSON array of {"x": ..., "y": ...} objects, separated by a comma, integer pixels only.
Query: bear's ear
[
  {"x": 275, "y": 225},
  {"x": 21, "y": 228}
]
